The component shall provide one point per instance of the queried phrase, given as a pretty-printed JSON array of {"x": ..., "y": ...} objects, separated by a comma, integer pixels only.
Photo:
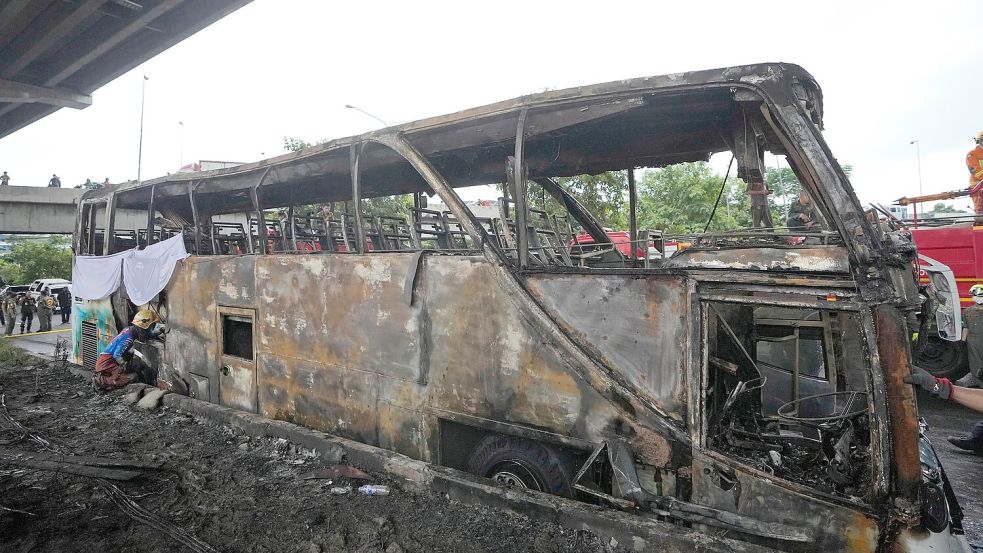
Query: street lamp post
[
  {"x": 918, "y": 153},
  {"x": 181, "y": 165},
  {"x": 143, "y": 97},
  {"x": 349, "y": 106}
]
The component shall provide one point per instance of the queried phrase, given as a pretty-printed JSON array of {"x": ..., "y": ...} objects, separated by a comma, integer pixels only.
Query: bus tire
[
  {"x": 521, "y": 463},
  {"x": 942, "y": 358}
]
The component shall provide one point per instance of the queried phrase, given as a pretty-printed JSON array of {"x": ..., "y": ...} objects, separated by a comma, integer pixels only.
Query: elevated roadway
[
  {"x": 37, "y": 210},
  {"x": 55, "y": 53}
]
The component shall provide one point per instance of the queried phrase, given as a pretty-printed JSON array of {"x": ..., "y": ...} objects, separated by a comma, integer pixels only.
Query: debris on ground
[
  {"x": 200, "y": 490},
  {"x": 374, "y": 489},
  {"x": 335, "y": 472}
]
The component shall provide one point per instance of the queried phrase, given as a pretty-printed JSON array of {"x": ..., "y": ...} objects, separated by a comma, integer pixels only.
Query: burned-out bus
[{"x": 750, "y": 383}]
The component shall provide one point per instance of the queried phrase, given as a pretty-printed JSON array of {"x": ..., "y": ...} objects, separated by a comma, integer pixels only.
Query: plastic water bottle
[{"x": 374, "y": 489}]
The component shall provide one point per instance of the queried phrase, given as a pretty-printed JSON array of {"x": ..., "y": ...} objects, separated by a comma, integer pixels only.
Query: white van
[{"x": 52, "y": 285}]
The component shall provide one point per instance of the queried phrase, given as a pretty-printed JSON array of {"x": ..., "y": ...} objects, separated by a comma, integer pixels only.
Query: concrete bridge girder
[{"x": 40, "y": 210}]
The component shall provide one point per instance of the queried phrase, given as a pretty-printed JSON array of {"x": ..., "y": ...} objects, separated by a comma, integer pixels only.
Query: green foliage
[
  {"x": 293, "y": 144},
  {"x": 680, "y": 198},
  {"x": 943, "y": 208},
  {"x": 13, "y": 356},
  {"x": 10, "y": 272},
  {"x": 35, "y": 259},
  {"x": 604, "y": 195}
]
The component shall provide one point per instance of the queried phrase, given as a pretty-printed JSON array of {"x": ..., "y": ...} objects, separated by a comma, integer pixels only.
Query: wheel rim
[
  {"x": 937, "y": 353},
  {"x": 515, "y": 474}
]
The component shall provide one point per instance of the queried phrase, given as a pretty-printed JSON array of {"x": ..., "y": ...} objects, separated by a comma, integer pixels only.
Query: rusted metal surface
[
  {"x": 638, "y": 327},
  {"x": 902, "y": 409},
  {"x": 830, "y": 527},
  {"x": 812, "y": 259}
]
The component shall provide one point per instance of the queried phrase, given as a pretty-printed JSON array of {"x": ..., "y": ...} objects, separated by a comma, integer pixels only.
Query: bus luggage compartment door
[{"x": 237, "y": 357}]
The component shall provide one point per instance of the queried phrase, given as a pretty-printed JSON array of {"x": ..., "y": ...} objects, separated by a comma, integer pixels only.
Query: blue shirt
[{"x": 123, "y": 342}]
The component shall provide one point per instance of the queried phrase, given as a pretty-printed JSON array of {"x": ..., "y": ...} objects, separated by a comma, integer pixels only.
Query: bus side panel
[
  {"x": 332, "y": 329},
  {"x": 198, "y": 286},
  {"x": 637, "y": 326},
  {"x": 488, "y": 361},
  {"x": 831, "y": 527},
  {"x": 377, "y": 348}
]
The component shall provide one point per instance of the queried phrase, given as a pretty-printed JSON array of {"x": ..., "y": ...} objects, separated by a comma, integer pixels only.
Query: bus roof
[{"x": 648, "y": 121}]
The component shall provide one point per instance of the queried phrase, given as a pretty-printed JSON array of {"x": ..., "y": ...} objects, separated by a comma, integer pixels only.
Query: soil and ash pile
[{"x": 231, "y": 492}]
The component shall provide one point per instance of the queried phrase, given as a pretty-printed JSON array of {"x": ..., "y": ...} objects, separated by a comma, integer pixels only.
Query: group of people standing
[
  {"x": 25, "y": 306},
  {"x": 55, "y": 182}
]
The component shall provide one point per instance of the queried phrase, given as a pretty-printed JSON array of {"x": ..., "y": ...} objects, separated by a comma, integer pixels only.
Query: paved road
[{"x": 43, "y": 343}]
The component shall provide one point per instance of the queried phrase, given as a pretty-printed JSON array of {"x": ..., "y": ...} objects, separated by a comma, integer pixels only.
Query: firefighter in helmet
[
  {"x": 973, "y": 330},
  {"x": 115, "y": 366},
  {"x": 974, "y": 162},
  {"x": 942, "y": 388}
]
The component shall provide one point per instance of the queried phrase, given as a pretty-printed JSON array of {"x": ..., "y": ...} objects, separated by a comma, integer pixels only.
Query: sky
[{"x": 891, "y": 73}]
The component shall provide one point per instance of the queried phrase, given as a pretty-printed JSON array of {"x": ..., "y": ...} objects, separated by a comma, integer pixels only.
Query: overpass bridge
[
  {"x": 55, "y": 53},
  {"x": 36, "y": 210}
]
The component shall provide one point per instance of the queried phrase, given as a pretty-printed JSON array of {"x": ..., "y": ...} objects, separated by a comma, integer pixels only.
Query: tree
[
  {"x": 604, "y": 195},
  {"x": 30, "y": 259},
  {"x": 679, "y": 199},
  {"x": 10, "y": 272},
  {"x": 943, "y": 208}
]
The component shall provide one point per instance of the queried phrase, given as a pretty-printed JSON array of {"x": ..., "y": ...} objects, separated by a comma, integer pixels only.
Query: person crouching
[{"x": 115, "y": 366}]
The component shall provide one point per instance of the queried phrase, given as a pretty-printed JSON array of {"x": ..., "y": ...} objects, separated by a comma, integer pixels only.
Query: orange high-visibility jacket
[{"x": 974, "y": 160}]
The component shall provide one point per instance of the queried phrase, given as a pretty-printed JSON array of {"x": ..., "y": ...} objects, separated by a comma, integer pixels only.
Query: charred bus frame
[{"x": 453, "y": 338}]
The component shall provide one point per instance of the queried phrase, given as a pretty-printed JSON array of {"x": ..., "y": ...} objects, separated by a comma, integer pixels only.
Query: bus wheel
[
  {"x": 520, "y": 463},
  {"x": 942, "y": 358}
]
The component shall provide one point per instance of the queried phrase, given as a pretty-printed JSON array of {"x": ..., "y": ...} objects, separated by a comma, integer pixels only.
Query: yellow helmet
[
  {"x": 976, "y": 290},
  {"x": 145, "y": 318}
]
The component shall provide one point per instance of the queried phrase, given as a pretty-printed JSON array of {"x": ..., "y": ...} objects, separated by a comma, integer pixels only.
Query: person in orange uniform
[{"x": 974, "y": 161}]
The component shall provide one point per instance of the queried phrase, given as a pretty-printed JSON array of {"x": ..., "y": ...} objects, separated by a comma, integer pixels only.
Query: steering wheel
[{"x": 853, "y": 403}]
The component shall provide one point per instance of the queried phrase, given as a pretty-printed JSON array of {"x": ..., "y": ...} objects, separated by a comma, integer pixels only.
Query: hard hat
[
  {"x": 145, "y": 318},
  {"x": 976, "y": 290},
  {"x": 979, "y": 136}
]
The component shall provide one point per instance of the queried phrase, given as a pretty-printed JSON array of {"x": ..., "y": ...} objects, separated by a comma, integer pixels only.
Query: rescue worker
[
  {"x": 801, "y": 214},
  {"x": 9, "y": 306},
  {"x": 973, "y": 330},
  {"x": 760, "y": 211},
  {"x": 115, "y": 366},
  {"x": 46, "y": 305},
  {"x": 974, "y": 162},
  {"x": 4, "y": 179},
  {"x": 55, "y": 182},
  {"x": 942, "y": 388},
  {"x": 28, "y": 306},
  {"x": 65, "y": 304}
]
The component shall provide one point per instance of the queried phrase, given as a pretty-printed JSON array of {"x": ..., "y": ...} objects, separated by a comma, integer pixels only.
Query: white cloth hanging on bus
[
  {"x": 97, "y": 276},
  {"x": 147, "y": 271}
]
